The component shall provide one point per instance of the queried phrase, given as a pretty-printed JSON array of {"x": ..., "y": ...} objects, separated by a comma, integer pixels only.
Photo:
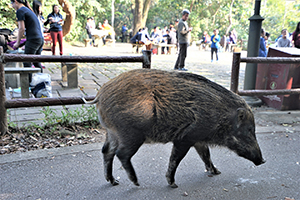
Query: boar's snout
[
  {"x": 259, "y": 162},
  {"x": 256, "y": 156}
]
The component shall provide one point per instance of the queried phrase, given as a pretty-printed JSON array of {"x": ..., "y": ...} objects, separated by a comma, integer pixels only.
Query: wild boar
[{"x": 148, "y": 105}]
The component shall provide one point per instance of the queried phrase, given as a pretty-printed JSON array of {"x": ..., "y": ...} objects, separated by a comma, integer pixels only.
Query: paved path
[{"x": 77, "y": 173}]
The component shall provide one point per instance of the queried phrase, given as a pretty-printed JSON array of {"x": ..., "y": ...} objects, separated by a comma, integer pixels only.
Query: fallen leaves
[{"x": 22, "y": 140}]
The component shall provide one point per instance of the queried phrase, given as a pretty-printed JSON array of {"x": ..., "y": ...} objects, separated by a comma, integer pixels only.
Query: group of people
[
  {"x": 102, "y": 31},
  {"x": 285, "y": 40},
  {"x": 166, "y": 35}
]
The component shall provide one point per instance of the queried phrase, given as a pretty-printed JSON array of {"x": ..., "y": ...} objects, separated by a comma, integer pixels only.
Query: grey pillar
[{"x": 253, "y": 47}]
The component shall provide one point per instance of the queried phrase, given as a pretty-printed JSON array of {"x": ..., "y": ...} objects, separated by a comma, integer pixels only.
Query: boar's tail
[{"x": 91, "y": 102}]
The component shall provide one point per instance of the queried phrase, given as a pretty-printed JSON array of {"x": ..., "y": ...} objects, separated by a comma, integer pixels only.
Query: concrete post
[
  {"x": 72, "y": 70},
  {"x": 3, "y": 111}
]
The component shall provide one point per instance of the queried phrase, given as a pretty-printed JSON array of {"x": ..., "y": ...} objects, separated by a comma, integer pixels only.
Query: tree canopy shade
[{"x": 205, "y": 15}]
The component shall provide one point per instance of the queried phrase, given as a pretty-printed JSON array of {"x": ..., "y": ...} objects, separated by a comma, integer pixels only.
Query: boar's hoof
[
  {"x": 173, "y": 185},
  {"x": 137, "y": 184},
  {"x": 114, "y": 182},
  {"x": 213, "y": 171}
]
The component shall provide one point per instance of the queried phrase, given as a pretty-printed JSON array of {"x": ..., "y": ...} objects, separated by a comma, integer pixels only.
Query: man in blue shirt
[
  {"x": 215, "y": 44},
  {"x": 124, "y": 30}
]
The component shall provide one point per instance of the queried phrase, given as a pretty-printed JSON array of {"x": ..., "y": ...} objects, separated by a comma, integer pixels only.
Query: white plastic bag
[{"x": 41, "y": 85}]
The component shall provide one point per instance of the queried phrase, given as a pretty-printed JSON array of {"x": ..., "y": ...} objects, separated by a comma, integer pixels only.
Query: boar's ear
[{"x": 241, "y": 115}]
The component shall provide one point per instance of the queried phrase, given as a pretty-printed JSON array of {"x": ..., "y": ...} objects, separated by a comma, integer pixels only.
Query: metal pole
[
  {"x": 235, "y": 72},
  {"x": 253, "y": 47},
  {"x": 3, "y": 112}
]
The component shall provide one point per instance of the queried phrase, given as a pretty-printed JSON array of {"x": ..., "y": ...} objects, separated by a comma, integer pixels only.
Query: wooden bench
[
  {"x": 97, "y": 41},
  {"x": 204, "y": 46},
  {"x": 172, "y": 48},
  {"x": 232, "y": 47},
  {"x": 137, "y": 48},
  {"x": 87, "y": 41},
  {"x": 109, "y": 41},
  {"x": 24, "y": 78}
]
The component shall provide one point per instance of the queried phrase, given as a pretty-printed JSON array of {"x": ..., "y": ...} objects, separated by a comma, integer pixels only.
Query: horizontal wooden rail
[
  {"x": 270, "y": 60},
  {"x": 267, "y": 92},
  {"x": 235, "y": 75},
  {"x": 91, "y": 59},
  {"x": 19, "y": 103}
]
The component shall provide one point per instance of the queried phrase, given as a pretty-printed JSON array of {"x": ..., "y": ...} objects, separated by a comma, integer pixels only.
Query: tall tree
[
  {"x": 140, "y": 14},
  {"x": 230, "y": 18}
]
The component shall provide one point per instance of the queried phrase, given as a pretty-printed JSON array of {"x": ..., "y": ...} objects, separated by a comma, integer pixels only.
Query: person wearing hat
[{"x": 183, "y": 40}]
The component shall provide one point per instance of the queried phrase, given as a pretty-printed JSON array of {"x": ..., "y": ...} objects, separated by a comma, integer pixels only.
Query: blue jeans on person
[{"x": 34, "y": 47}]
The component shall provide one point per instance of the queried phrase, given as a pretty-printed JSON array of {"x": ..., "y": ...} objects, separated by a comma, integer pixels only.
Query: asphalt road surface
[{"x": 77, "y": 173}]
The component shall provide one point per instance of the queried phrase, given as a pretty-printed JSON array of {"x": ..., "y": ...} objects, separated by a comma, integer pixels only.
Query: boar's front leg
[
  {"x": 204, "y": 153},
  {"x": 179, "y": 150}
]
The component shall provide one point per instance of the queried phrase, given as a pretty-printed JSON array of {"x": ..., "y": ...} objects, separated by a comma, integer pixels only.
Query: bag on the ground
[{"x": 41, "y": 85}]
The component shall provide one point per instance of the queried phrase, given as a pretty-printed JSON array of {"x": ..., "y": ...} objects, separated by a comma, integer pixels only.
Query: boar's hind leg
[
  {"x": 109, "y": 151},
  {"x": 125, "y": 151},
  {"x": 178, "y": 152},
  {"x": 203, "y": 151}
]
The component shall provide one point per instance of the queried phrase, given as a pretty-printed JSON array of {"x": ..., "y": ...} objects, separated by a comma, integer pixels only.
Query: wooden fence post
[
  {"x": 3, "y": 111},
  {"x": 147, "y": 59},
  {"x": 235, "y": 72}
]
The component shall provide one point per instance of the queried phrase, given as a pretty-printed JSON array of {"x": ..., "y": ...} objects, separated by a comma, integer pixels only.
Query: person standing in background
[
  {"x": 296, "y": 37},
  {"x": 124, "y": 32},
  {"x": 284, "y": 41},
  {"x": 28, "y": 21},
  {"x": 262, "y": 45},
  {"x": 56, "y": 21},
  {"x": 183, "y": 39},
  {"x": 215, "y": 44},
  {"x": 37, "y": 9}
]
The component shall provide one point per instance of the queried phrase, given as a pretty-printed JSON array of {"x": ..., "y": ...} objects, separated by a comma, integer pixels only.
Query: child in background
[
  {"x": 262, "y": 45},
  {"x": 215, "y": 44},
  {"x": 284, "y": 41}
]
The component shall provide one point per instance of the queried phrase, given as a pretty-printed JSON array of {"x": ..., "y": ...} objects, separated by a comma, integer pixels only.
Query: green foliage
[
  {"x": 7, "y": 15},
  {"x": 82, "y": 114}
]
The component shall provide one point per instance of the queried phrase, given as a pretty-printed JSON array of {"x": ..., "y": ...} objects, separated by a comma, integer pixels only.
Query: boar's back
[{"x": 165, "y": 105}]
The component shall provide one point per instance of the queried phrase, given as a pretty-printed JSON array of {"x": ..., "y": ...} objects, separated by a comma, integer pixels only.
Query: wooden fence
[
  {"x": 236, "y": 69},
  {"x": 5, "y": 104}
]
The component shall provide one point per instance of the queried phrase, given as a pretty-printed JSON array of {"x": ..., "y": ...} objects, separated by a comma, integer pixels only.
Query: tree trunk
[
  {"x": 70, "y": 16},
  {"x": 230, "y": 17},
  {"x": 140, "y": 14},
  {"x": 137, "y": 16},
  {"x": 145, "y": 12}
]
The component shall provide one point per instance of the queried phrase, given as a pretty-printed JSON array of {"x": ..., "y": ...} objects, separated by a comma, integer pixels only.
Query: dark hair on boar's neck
[{"x": 159, "y": 106}]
